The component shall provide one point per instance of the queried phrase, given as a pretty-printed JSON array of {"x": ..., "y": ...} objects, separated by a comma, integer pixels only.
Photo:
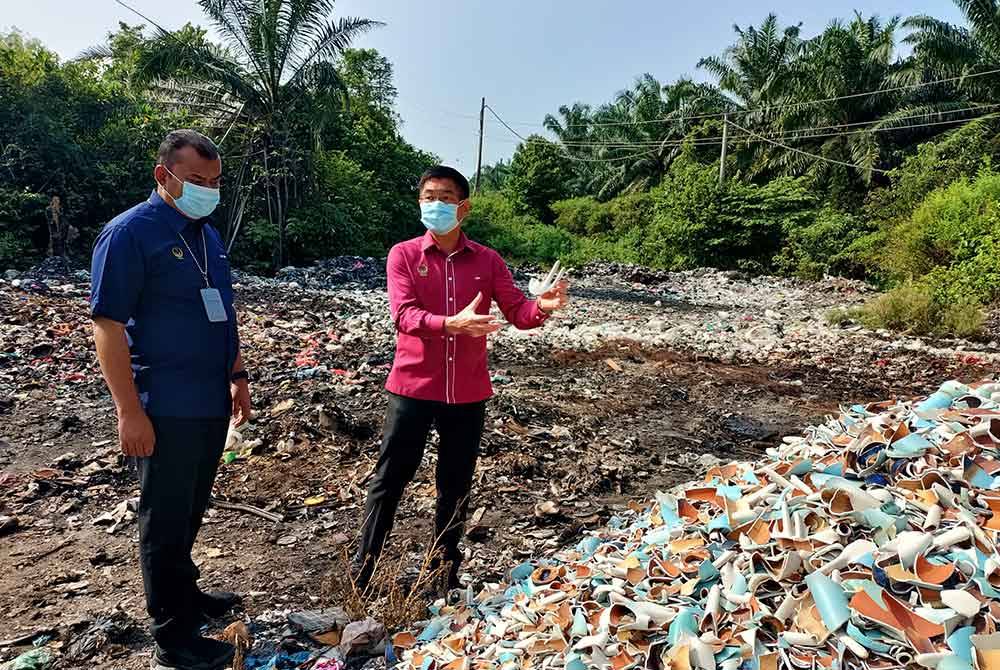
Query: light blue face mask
[
  {"x": 439, "y": 217},
  {"x": 196, "y": 202}
]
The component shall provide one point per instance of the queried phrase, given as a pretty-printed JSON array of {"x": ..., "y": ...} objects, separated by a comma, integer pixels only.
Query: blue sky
[{"x": 527, "y": 57}]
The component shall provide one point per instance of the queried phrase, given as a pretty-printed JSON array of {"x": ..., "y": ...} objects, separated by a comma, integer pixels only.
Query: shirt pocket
[{"x": 472, "y": 284}]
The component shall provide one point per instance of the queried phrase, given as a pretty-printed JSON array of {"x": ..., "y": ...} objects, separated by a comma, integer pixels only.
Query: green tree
[
  {"x": 539, "y": 173},
  {"x": 273, "y": 85},
  {"x": 757, "y": 69}
]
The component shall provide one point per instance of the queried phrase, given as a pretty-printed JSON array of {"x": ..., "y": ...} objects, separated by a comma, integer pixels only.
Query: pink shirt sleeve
[
  {"x": 410, "y": 318},
  {"x": 520, "y": 311}
]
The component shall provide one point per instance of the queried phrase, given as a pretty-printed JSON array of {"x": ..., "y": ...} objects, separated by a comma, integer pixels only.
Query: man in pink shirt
[{"x": 441, "y": 287}]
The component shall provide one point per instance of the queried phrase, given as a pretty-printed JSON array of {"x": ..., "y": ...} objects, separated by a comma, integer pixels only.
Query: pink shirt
[{"x": 426, "y": 286}]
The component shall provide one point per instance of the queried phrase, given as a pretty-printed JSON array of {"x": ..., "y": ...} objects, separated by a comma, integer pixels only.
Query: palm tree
[
  {"x": 272, "y": 84},
  {"x": 844, "y": 60},
  {"x": 942, "y": 50},
  {"x": 633, "y": 140},
  {"x": 756, "y": 69}
]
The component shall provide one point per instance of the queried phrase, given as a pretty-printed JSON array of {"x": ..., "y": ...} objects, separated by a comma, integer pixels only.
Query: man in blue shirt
[{"x": 166, "y": 336}]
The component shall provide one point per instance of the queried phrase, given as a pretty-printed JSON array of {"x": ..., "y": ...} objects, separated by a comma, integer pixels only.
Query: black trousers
[
  {"x": 176, "y": 483},
  {"x": 407, "y": 424}
]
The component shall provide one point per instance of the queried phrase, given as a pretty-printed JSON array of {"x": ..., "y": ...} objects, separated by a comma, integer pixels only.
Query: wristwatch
[{"x": 241, "y": 374}]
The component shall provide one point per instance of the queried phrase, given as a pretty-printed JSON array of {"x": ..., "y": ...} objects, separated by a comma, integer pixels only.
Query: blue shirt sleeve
[{"x": 116, "y": 274}]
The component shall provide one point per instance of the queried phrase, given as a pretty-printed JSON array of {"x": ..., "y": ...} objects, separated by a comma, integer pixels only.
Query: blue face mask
[
  {"x": 439, "y": 217},
  {"x": 196, "y": 202}
]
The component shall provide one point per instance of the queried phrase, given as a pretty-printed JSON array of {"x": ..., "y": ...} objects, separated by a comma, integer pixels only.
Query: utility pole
[
  {"x": 479, "y": 162},
  {"x": 722, "y": 159}
]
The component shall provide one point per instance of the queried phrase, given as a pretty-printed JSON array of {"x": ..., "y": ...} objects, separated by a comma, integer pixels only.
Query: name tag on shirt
[{"x": 214, "y": 307}]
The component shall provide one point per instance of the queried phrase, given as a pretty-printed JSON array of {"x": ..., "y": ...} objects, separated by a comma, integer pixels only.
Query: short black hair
[
  {"x": 445, "y": 172},
  {"x": 185, "y": 137}
]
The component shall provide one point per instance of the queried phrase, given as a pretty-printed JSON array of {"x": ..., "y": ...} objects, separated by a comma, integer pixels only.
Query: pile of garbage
[
  {"x": 869, "y": 541},
  {"x": 338, "y": 271}
]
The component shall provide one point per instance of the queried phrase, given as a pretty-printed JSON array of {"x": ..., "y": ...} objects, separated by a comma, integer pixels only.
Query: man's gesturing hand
[{"x": 470, "y": 324}]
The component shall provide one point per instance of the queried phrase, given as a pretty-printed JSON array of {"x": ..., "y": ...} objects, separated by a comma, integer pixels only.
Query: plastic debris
[
  {"x": 869, "y": 541},
  {"x": 36, "y": 659}
]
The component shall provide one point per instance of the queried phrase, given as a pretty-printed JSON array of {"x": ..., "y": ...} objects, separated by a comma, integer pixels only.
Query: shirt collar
[
  {"x": 173, "y": 218},
  {"x": 430, "y": 243}
]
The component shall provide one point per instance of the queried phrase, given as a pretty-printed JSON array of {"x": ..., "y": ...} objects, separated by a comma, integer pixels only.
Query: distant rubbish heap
[{"x": 868, "y": 542}]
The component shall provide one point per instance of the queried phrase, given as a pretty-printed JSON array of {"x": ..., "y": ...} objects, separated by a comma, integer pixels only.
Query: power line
[
  {"x": 768, "y": 108},
  {"x": 797, "y": 134},
  {"x": 807, "y": 153}
]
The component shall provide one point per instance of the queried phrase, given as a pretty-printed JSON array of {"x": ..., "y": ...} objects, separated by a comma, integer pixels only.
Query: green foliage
[
  {"x": 537, "y": 178},
  {"x": 343, "y": 217},
  {"x": 583, "y": 216},
  {"x": 830, "y": 245},
  {"x": 913, "y": 308},
  {"x": 947, "y": 228},
  {"x": 962, "y": 152},
  {"x": 700, "y": 223}
]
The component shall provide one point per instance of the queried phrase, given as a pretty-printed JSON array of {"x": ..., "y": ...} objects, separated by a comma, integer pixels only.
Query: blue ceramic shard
[
  {"x": 580, "y": 628},
  {"x": 831, "y": 601},
  {"x": 960, "y": 642},
  {"x": 684, "y": 624},
  {"x": 869, "y": 642},
  {"x": 434, "y": 629},
  {"x": 522, "y": 572},
  {"x": 729, "y": 492},
  {"x": 911, "y": 446},
  {"x": 936, "y": 400},
  {"x": 803, "y": 468}
]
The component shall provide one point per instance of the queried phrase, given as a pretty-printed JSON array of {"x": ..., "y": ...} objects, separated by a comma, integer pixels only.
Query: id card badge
[{"x": 214, "y": 308}]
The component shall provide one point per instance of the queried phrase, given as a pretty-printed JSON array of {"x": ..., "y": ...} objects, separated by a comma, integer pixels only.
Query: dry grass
[{"x": 393, "y": 597}]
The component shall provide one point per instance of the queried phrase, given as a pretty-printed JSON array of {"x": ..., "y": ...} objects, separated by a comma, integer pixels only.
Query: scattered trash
[
  {"x": 107, "y": 629},
  {"x": 8, "y": 524},
  {"x": 36, "y": 659},
  {"x": 124, "y": 513}
]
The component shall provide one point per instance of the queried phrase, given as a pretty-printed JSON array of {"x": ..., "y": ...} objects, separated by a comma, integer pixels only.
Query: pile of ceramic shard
[{"x": 868, "y": 542}]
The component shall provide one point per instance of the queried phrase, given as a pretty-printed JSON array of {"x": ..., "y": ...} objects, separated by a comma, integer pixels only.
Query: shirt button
[
  {"x": 450, "y": 358},
  {"x": 451, "y": 339},
  {"x": 452, "y": 299},
  {"x": 451, "y": 279}
]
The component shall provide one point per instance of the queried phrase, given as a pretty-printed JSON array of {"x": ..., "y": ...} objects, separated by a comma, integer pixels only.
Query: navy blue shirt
[{"x": 142, "y": 275}]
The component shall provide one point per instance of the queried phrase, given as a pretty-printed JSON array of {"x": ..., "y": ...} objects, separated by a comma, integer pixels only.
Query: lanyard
[{"x": 204, "y": 246}]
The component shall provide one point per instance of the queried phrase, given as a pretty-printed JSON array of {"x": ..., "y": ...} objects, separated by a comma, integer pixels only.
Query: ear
[
  {"x": 161, "y": 175},
  {"x": 463, "y": 209}
]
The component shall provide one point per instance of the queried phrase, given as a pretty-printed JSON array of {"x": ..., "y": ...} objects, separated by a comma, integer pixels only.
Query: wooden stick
[{"x": 249, "y": 509}]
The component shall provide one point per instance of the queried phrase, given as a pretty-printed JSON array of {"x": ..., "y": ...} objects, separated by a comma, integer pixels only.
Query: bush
[
  {"x": 583, "y": 216},
  {"x": 698, "y": 223},
  {"x": 831, "y": 245},
  {"x": 915, "y": 309},
  {"x": 957, "y": 154},
  {"x": 343, "y": 217},
  {"x": 946, "y": 228},
  {"x": 631, "y": 212}
]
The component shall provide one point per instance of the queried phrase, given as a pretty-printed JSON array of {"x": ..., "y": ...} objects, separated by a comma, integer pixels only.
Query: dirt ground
[{"x": 589, "y": 431}]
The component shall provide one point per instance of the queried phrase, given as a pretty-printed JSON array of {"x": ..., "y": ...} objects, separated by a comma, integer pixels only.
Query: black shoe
[
  {"x": 199, "y": 653},
  {"x": 217, "y": 604}
]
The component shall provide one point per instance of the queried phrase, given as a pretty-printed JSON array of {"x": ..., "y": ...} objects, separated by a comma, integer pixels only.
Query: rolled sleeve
[{"x": 117, "y": 271}]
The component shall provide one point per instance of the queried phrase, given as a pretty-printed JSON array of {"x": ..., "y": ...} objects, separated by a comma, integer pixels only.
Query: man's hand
[
  {"x": 470, "y": 324},
  {"x": 240, "y": 390},
  {"x": 135, "y": 433},
  {"x": 555, "y": 298}
]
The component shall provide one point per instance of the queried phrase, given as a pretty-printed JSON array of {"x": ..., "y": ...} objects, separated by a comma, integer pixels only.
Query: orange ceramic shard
[
  {"x": 404, "y": 640},
  {"x": 622, "y": 661},
  {"x": 686, "y": 544},
  {"x": 929, "y": 573},
  {"x": 457, "y": 664},
  {"x": 704, "y": 494}
]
